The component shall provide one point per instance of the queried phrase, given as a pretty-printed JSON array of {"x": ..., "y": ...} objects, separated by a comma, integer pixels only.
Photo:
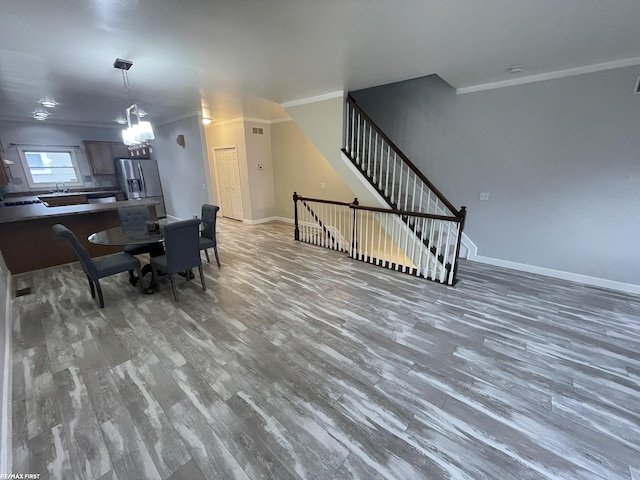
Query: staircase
[
  {"x": 401, "y": 185},
  {"x": 413, "y": 228}
]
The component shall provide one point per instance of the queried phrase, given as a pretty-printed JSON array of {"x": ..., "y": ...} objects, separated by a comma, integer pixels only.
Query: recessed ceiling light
[
  {"x": 48, "y": 103},
  {"x": 121, "y": 121},
  {"x": 206, "y": 121},
  {"x": 516, "y": 69},
  {"x": 40, "y": 115}
]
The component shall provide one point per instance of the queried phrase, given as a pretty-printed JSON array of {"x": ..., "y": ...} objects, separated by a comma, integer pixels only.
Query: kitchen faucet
[{"x": 64, "y": 190}]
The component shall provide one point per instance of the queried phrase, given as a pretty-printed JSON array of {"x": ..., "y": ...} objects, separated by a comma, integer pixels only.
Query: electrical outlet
[
  {"x": 322, "y": 185},
  {"x": 484, "y": 196}
]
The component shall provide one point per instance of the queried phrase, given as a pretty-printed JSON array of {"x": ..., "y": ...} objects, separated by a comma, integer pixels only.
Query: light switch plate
[{"x": 484, "y": 196}]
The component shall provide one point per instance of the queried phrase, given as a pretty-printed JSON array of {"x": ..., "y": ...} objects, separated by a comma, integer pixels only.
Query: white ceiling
[{"x": 246, "y": 57}]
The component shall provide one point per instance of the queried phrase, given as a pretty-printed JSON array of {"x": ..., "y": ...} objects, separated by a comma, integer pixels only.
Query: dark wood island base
[{"x": 28, "y": 243}]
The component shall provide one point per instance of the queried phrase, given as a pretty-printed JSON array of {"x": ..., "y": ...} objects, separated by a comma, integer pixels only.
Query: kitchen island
[{"x": 28, "y": 243}]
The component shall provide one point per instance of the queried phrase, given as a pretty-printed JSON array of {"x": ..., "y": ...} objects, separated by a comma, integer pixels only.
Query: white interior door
[
  {"x": 234, "y": 184},
  {"x": 228, "y": 175}
]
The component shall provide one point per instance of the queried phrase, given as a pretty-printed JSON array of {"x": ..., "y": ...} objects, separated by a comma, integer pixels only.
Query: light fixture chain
[{"x": 127, "y": 86}]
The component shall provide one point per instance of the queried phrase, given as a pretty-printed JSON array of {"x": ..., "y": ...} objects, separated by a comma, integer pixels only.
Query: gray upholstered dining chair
[
  {"x": 208, "y": 231},
  {"x": 98, "y": 268},
  {"x": 182, "y": 252},
  {"x": 134, "y": 219}
]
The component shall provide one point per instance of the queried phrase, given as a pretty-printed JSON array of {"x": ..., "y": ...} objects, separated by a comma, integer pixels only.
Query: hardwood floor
[{"x": 298, "y": 362}]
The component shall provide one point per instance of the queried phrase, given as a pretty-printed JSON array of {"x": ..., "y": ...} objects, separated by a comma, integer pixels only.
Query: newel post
[
  {"x": 296, "y": 232},
  {"x": 354, "y": 237},
  {"x": 462, "y": 215}
]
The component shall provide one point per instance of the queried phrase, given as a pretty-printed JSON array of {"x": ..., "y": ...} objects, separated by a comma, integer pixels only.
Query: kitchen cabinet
[
  {"x": 101, "y": 155},
  {"x": 120, "y": 150}
]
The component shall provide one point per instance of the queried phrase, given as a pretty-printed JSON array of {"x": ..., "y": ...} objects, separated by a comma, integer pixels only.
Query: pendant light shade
[
  {"x": 128, "y": 137},
  {"x": 144, "y": 131}
]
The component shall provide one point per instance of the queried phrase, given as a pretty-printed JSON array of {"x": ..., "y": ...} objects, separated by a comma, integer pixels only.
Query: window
[{"x": 44, "y": 167}]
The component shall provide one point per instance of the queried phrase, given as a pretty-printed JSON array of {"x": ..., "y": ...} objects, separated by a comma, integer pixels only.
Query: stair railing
[
  {"x": 420, "y": 244},
  {"x": 388, "y": 169}
]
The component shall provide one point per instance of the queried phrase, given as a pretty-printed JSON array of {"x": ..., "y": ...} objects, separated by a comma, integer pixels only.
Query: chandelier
[{"x": 138, "y": 134}]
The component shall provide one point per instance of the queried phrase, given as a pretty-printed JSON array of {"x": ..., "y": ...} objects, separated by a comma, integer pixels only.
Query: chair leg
[
  {"x": 93, "y": 289},
  {"x": 204, "y": 287},
  {"x": 139, "y": 270},
  {"x": 215, "y": 250},
  {"x": 100, "y": 299},
  {"x": 206, "y": 254},
  {"x": 154, "y": 279},
  {"x": 173, "y": 287}
]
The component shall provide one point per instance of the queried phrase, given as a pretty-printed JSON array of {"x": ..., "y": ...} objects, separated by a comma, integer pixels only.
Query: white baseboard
[
  {"x": 550, "y": 272},
  {"x": 472, "y": 254},
  {"x": 469, "y": 249},
  {"x": 268, "y": 219}
]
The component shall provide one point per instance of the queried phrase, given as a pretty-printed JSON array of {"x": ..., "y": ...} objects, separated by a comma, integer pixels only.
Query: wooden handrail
[
  {"x": 406, "y": 160},
  {"x": 443, "y": 271},
  {"x": 403, "y": 213}
]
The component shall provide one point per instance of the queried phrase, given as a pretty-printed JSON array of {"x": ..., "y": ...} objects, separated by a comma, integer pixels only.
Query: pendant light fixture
[{"x": 138, "y": 134}]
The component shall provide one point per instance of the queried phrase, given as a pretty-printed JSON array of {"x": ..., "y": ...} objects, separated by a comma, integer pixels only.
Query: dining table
[
  {"x": 117, "y": 236},
  {"x": 150, "y": 233}
]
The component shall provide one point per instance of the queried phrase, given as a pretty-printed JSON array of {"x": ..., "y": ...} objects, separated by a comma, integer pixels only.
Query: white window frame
[{"x": 39, "y": 185}]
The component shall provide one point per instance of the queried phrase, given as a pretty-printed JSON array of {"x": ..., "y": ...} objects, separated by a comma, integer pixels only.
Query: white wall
[
  {"x": 51, "y": 134},
  {"x": 300, "y": 167},
  {"x": 559, "y": 159},
  {"x": 226, "y": 135},
  {"x": 263, "y": 201},
  {"x": 183, "y": 173},
  {"x": 258, "y": 195}
]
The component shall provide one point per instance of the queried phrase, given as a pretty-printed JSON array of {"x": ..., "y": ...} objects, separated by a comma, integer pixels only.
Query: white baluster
[
  {"x": 369, "y": 153},
  {"x": 422, "y": 223},
  {"x": 375, "y": 159},
  {"x": 353, "y": 131},
  {"x": 438, "y": 248},
  {"x": 446, "y": 250},
  {"x": 386, "y": 183},
  {"x": 365, "y": 239},
  {"x": 413, "y": 194},
  {"x": 393, "y": 179},
  {"x": 386, "y": 235}
]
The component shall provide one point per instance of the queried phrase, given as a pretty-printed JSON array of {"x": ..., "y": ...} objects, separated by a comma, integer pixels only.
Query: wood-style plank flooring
[{"x": 298, "y": 362}]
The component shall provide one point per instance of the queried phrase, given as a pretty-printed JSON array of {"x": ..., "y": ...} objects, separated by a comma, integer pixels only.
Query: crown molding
[
  {"x": 180, "y": 117},
  {"x": 249, "y": 119},
  {"x": 598, "y": 67},
  {"x": 317, "y": 98},
  {"x": 53, "y": 121}
]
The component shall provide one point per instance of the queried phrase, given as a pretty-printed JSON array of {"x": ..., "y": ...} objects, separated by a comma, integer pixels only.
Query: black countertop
[{"x": 21, "y": 213}]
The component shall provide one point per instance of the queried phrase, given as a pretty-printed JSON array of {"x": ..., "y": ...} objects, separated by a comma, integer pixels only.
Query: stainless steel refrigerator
[{"x": 139, "y": 178}]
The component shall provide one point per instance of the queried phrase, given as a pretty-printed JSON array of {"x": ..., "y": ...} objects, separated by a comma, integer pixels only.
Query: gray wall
[
  {"x": 182, "y": 169},
  {"x": 43, "y": 133},
  {"x": 560, "y": 160}
]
